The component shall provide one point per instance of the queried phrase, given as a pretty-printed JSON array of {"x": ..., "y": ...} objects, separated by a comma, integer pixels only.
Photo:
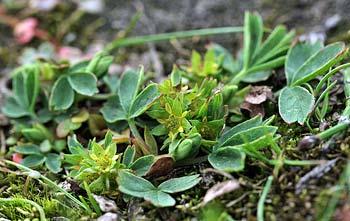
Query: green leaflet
[
  {"x": 295, "y": 104},
  {"x": 318, "y": 63},
  {"x": 261, "y": 56},
  {"x": 112, "y": 110},
  {"x": 229, "y": 159},
  {"x": 99, "y": 64},
  {"x": 62, "y": 95},
  {"x": 252, "y": 135},
  {"x": 297, "y": 56},
  {"x": 253, "y": 32},
  {"x": 83, "y": 83},
  {"x": 27, "y": 149},
  {"x": 175, "y": 185},
  {"x": 143, "y": 101},
  {"x": 33, "y": 160},
  {"x": 53, "y": 162},
  {"x": 128, "y": 88},
  {"x": 254, "y": 122},
  {"x": 142, "y": 165},
  {"x": 129, "y": 156}
]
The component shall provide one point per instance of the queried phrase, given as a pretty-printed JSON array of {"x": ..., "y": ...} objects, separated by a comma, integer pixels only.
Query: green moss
[{"x": 53, "y": 204}]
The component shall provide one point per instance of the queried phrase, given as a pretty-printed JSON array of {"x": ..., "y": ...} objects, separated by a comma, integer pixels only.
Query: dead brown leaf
[
  {"x": 253, "y": 109},
  {"x": 259, "y": 94},
  {"x": 220, "y": 189},
  {"x": 162, "y": 166}
]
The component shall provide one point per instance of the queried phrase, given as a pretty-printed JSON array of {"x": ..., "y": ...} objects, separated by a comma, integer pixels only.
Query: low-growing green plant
[
  {"x": 38, "y": 127},
  {"x": 305, "y": 62},
  {"x": 158, "y": 196},
  {"x": 341, "y": 126},
  {"x": 192, "y": 116},
  {"x": 26, "y": 87},
  {"x": 261, "y": 56},
  {"x": 245, "y": 138},
  {"x": 129, "y": 103},
  {"x": 37, "y": 155},
  {"x": 81, "y": 79},
  {"x": 40, "y": 148},
  {"x": 62, "y": 96},
  {"x": 100, "y": 164}
]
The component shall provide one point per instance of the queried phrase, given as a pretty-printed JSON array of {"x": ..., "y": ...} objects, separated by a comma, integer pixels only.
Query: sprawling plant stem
[
  {"x": 266, "y": 190},
  {"x": 238, "y": 77}
]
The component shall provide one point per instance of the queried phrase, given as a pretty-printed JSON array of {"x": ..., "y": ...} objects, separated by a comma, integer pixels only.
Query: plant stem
[
  {"x": 333, "y": 130},
  {"x": 301, "y": 162},
  {"x": 275, "y": 147},
  {"x": 266, "y": 190},
  {"x": 168, "y": 36},
  {"x": 100, "y": 96},
  {"x": 144, "y": 148},
  {"x": 324, "y": 93},
  {"x": 48, "y": 181},
  {"x": 20, "y": 200},
  {"x": 238, "y": 77},
  {"x": 328, "y": 75},
  {"x": 346, "y": 113}
]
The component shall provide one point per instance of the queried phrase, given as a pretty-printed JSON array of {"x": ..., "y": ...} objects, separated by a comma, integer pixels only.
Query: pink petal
[
  {"x": 17, "y": 158},
  {"x": 25, "y": 30},
  {"x": 71, "y": 54}
]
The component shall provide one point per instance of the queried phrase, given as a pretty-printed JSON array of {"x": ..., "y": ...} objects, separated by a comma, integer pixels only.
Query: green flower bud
[
  {"x": 188, "y": 148},
  {"x": 47, "y": 71},
  {"x": 99, "y": 64},
  {"x": 183, "y": 150}
]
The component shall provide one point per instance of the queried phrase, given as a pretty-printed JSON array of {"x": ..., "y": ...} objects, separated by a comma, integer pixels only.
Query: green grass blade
[
  {"x": 124, "y": 42},
  {"x": 262, "y": 199}
]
